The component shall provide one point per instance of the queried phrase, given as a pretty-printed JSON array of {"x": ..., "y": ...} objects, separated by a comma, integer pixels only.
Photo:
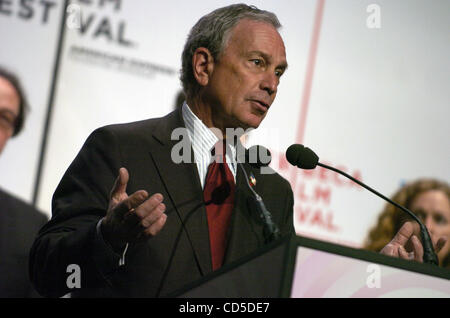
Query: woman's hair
[{"x": 391, "y": 218}]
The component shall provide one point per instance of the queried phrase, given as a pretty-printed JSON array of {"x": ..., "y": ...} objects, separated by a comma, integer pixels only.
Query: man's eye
[{"x": 257, "y": 62}]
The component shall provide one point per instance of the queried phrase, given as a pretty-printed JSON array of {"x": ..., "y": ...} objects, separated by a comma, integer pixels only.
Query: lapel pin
[{"x": 252, "y": 180}]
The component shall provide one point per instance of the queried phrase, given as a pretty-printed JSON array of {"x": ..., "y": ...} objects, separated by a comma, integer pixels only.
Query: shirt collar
[{"x": 202, "y": 138}]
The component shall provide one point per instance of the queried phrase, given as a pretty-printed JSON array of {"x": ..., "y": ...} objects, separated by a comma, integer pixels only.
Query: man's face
[
  {"x": 244, "y": 81},
  {"x": 9, "y": 110}
]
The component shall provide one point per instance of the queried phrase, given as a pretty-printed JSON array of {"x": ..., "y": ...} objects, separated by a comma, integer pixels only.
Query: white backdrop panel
[
  {"x": 378, "y": 106},
  {"x": 93, "y": 91},
  {"x": 29, "y": 35}
]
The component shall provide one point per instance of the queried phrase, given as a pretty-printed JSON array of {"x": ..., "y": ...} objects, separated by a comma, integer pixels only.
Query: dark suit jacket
[
  {"x": 179, "y": 254},
  {"x": 19, "y": 224}
]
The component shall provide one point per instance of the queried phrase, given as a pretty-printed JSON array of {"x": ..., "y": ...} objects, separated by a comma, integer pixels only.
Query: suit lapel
[{"x": 182, "y": 184}]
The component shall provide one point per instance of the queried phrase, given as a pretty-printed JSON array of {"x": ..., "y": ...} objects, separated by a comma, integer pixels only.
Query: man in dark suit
[
  {"x": 19, "y": 221},
  {"x": 134, "y": 219},
  {"x": 19, "y": 224}
]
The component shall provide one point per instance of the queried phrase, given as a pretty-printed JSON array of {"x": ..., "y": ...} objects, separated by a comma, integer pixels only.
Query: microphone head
[
  {"x": 301, "y": 156},
  {"x": 258, "y": 156}
]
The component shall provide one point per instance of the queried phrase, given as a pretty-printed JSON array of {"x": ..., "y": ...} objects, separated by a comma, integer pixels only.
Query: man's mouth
[{"x": 261, "y": 103}]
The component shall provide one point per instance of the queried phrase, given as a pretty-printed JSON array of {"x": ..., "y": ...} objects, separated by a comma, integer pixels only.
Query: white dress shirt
[{"x": 203, "y": 141}]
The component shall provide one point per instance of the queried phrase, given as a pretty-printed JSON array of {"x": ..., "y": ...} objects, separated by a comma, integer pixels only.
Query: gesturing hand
[
  {"x": 131, "y": 217},
  {"x": 407, "y": 238}
]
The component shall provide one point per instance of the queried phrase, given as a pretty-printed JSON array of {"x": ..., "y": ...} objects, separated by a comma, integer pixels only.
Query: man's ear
[{"x": 202, "y": 65}]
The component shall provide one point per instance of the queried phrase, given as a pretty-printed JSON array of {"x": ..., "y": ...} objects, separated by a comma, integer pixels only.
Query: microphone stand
[
  {"x": 429, "y": 256},
  {"x": 274, "y": 232}
]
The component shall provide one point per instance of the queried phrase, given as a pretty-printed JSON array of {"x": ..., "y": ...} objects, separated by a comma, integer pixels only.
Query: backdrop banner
[{"x": 366, "y": 89}]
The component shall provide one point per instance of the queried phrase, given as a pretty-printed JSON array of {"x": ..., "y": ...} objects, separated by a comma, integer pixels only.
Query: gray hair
[{"x": 212, "y": 32}]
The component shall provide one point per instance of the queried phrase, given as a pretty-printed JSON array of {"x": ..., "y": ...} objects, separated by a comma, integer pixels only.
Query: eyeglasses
[{"x": 7, "y": 120}]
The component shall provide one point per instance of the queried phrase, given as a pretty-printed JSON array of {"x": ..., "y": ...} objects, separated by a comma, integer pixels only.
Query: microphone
[
  {"x": 304, "y": 158},
  {"x": 266, "y": 216}
]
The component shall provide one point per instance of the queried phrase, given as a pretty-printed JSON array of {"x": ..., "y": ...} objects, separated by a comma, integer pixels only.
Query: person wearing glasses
[{"x": 19, "y": 221}]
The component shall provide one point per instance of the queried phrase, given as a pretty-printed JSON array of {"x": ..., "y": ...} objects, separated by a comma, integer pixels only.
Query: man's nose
[{"x": 270, "y": 83}]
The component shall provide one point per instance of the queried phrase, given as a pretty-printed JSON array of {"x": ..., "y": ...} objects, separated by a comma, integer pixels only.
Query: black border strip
[{"x": 56, "y": 66}]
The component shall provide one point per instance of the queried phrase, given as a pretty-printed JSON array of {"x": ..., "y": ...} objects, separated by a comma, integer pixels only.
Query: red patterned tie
[{"x": 219, "y": 200}]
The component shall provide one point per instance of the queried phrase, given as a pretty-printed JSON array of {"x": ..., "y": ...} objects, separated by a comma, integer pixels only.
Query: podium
[{"x": 300, "y": 267}]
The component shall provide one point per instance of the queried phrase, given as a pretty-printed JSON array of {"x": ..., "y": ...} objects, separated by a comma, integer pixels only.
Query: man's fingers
[
  {"x": 132, "y": 202},
  {"x": 154, "y": 229},
  {"x": 404, "y": 234},
  {"x": 390, "y": 250},
  {"x": 120, "y": 185},
  {"x": 417, "y": 248},
  {"x": 147, "y": 207},
  {"x": 144, "y": 216},
  {"x": 147, "y": 221},
  {"x": 402, "y": 253},
  {"x": 154, "y": 216},
  {"x": 140, "y": 232}
]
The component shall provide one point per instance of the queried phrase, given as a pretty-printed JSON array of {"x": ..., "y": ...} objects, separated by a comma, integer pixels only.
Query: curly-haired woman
[{"x": 429, "y": 199}]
